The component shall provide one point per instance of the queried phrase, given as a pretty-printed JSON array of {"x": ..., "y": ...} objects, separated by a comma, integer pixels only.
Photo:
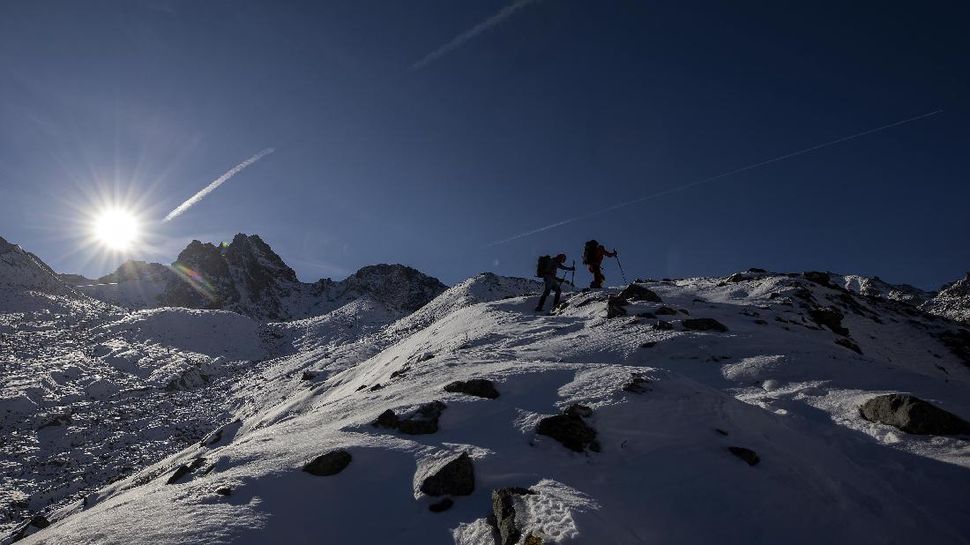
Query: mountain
[
  {"x": 751, "y": 409},
  {"x": 876, "y": 287},
  {"x": 248, "y": 277},
  {"x": 953, "y": 301}
]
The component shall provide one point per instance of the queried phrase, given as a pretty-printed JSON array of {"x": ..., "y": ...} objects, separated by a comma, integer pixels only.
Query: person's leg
[
  {"x": 545, "y": 293},
  {"x": 592, "y": 271},
  {"x": 555, "y": 302},
  {"x": 597, "y": 276}
]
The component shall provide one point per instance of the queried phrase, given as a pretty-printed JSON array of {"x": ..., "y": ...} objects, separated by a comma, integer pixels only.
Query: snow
[{"x": 775, "y": 382}]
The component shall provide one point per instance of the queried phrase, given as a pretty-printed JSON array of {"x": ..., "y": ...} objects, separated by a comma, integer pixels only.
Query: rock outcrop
[{"x": 913, "y": 415}]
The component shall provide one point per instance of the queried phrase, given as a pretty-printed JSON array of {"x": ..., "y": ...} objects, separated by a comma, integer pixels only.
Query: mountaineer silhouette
[
  {"x": 593, "y": 254},
  {"x": 546, "y": 268}
]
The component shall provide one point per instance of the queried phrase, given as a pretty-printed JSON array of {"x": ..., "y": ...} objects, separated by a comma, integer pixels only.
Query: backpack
[
  {"x": 589, "y": 251},
  {"x": 543, "y": 266}
]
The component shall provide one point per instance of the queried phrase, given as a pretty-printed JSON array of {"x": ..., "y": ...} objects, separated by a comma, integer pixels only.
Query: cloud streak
[
  {"x": 218, "y": 181},
  {"x": 711, "y": 179},
  {"x": 469, "y": 34}
]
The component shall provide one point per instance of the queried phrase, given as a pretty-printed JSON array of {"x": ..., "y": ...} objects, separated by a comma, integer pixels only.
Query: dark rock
[
  {"x": 614, "y": 309},
  {"x": 636, "y": 292},
  {"x": 683, "y": 311},
  {"x": 570, "y": 429},
  {"x": 637, "y": 385},
  {"x": 328, "y": 464},
  {"x": 720, "y": 431},
  {"x": 665, "y": 311},
  {"x": 849, "y": 343},
  {"x": 913, "y": 415},
  {"x": 649, "y": 344},
  {"x": 376, "y": 387},
  {"x": 532, "y": 539},
  {"x": 820, "y": 278},
  {"x": 757, "y": 270},
  {"x": 38, "y": 522},
  {"x": 443, "y": 504},
  {"x": 746, "y": 454},
  {"x": 387, "y": 419},
  {"x": 737, "y": 277},
  {"x": 579, "y": 410},
  {"x": 760, "y": 322},
  {"x": 456, "y": 478},
  {"x": 648, "y": 315},
  {"x": 224, "y": 491},
  {"x": 704, "y": 324},
  {"x": 663, "y": 326},
  {"x": 503, "y": 513},
  {"x": 477, "y": 387},
  {"x": 829, "y": 317},
  {"x": 181, "y": 471},
  {"x": 422, "y": 422},
  {"x": 307, "y": 375}
]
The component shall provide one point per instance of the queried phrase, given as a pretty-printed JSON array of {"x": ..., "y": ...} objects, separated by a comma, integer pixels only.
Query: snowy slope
[{"x": 784, "y": 379}]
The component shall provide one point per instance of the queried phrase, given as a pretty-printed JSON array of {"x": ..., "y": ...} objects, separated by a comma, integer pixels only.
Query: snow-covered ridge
[{"x": 721, "y": 410}]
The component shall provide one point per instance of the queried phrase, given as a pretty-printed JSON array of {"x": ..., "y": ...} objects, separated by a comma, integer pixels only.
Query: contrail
[
  {"x": 712, "y": 178},
  {"x": 218, "y": 181},
  {"x": 502, "y": 15}
]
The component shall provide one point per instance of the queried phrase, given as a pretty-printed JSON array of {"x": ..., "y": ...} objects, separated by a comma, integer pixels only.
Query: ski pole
[
  {"x": 573, "y": 279},
  {"x": 620, "y": 265}
]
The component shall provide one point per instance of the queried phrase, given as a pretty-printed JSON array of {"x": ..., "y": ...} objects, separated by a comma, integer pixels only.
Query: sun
[{"x": 116, "y": 228}]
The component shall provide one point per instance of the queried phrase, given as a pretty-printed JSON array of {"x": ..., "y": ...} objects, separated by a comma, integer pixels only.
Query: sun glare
[{"x": 117, "y": 229}]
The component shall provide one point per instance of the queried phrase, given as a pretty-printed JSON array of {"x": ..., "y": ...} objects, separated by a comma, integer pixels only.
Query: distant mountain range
[{"x": 248, "y": 277}]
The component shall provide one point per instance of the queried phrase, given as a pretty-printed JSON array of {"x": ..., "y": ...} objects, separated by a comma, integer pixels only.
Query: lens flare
[{"x": 116, "y": 229}]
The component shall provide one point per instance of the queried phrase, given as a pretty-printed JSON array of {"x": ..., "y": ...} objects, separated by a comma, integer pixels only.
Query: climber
[
  {"x": 593, "y": 254},
  {"x": 546, "y": 269}
]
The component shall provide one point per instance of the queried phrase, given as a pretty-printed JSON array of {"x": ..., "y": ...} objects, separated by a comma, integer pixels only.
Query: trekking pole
[
  {"x": 573, "y": 279},
  {"x": 620, "y": 265}
]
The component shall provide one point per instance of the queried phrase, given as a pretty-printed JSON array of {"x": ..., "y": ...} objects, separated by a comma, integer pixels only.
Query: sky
[{"x": 424, "y": 132}]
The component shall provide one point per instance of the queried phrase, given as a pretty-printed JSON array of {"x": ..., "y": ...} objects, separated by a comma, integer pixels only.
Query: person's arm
[
  {"x": 614, "y": 253},
  {"x": 565, "y": 268}
]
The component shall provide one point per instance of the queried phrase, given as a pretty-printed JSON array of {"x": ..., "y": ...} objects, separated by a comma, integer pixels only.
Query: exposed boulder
[
  {"x": 746, "y": 454},
  {"x": 912, "y": 415},
  {"x": 662, "y": 325},
  {"x": 477, "y": 387},
  {"x": 665, "y": 311},
  {"x": 615, "y": 308},
  {"x": 636, "y": 292},
  {"x": 423, "y": 421},
  {"x": 455, "y": 478},
  {"x": 704, "y": 324},
  {"x": 38, "y": 522},
  {"x": 637, "y": 385},
  {"x": 570, "y": 429},
  {"x": 182, "y": 470},
  {"x": 503, "y": 513},
  {"x": 328, "y": 464}
]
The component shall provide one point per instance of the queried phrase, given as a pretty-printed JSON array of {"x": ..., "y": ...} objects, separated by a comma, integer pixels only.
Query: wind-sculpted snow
[{"x": 745, "y": 433}]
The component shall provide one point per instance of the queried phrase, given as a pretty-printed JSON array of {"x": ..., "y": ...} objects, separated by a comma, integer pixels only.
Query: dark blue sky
[{"x": 562, "y": 108}]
